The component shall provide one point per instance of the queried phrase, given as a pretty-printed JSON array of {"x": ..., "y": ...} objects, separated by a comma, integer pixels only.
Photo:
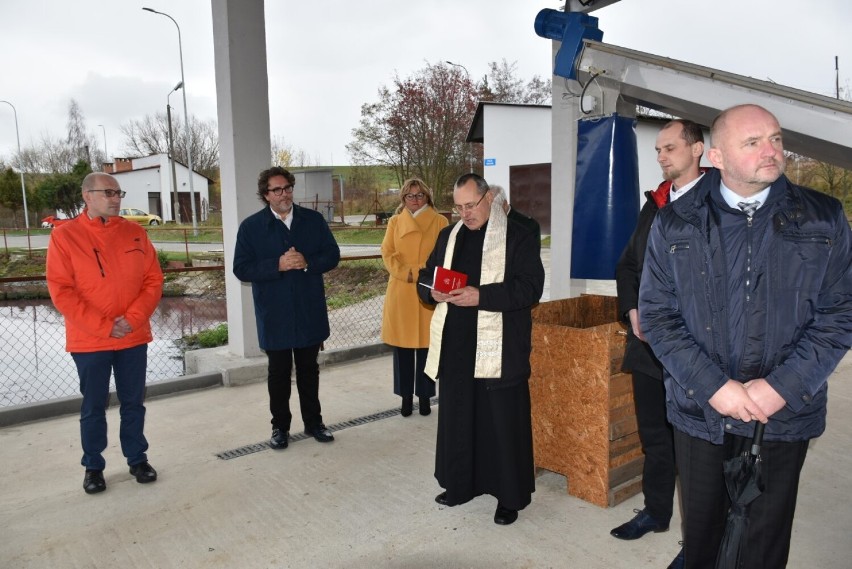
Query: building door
[
  {"x": 529, "y": 190},
  {"x": 155, "y": 204}
]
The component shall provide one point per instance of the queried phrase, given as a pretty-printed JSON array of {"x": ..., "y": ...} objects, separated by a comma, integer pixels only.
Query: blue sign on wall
[{"x": 490, "y": 161}]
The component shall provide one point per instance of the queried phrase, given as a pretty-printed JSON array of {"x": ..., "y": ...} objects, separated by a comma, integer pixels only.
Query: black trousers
[
  {"x": 705, "y": 500},
  {"x": 408, "y": 375},
  {"x": 307, "y": 382},
  {"x": 656, "y": 435}
]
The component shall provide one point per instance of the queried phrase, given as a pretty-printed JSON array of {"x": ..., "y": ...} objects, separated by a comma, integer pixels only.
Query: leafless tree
[
  {"x": 288, "y": 156},
  {"x": 503, "y": 85},
  {"x": 150, "y": 135}
]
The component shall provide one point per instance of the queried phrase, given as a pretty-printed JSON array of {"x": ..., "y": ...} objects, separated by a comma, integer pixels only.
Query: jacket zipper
[{"x": 98, "y": 259}]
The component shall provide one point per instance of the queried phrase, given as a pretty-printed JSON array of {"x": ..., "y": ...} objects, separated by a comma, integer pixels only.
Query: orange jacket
[{"x": 98, "y": 271}]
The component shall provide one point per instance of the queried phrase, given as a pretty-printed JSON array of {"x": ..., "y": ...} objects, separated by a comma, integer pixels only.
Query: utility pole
[
  {"x": 837, "y": 76},
  {"x": 175, "y": 200}
]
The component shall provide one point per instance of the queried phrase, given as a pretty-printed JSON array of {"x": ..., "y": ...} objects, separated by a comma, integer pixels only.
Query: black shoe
[
  {"x": 678, "y": 561},
  {"x": 143, "y": 472},
  {"x": 641, "y": 524},
  {"x": 407, "y": 405},
  {"x": 320, "y": 433},
  {"x": 280, "y": 439},
  {"x": 93, "y": 481},
  {"x": 443, "y": 500},
  {"x": 425, "y": 408},
  {"x": 505, "y": 516}
]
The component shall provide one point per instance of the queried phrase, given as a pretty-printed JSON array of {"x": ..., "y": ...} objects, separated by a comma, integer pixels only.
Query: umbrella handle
[{"x": 757, "y": 440}]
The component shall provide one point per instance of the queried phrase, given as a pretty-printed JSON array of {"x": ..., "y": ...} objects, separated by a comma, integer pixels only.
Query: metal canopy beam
[
  {"x": 587, "y": 6},
  {"x": 815, "y": 126}
]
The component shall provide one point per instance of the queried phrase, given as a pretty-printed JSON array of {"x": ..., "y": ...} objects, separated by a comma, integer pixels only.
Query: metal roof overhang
[{"x": 815, "y": 126}]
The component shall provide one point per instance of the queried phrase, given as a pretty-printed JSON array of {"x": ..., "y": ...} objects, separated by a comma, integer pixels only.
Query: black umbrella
[{"x": 742, "y": 477}]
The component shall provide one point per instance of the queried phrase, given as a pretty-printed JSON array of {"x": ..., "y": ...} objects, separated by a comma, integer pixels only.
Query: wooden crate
[{"x": 584, "y": 421}]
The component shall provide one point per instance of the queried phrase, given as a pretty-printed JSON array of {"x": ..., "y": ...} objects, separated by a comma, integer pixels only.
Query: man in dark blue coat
[
  {"x": 283, "y": 251},
  {"x": 746, "y": 299}
]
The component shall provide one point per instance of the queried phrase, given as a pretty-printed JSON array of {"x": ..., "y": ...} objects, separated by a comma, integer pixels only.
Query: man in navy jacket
[
  {"x": 746, "y": 299},
  {"x": 283, "y": 251}
]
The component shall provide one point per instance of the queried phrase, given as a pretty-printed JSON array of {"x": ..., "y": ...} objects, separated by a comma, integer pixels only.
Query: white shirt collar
[
  {"x": 732, "y": 198},
  {"x": 287, "y": 219},
  {"x": 676, "y": 193}
]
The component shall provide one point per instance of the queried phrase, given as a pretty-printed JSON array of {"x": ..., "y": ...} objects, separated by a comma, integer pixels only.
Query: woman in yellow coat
[{"x": 409, "y": 239}]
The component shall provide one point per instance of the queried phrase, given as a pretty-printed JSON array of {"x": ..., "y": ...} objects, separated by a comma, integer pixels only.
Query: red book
[{"x": 446, "y": 280}]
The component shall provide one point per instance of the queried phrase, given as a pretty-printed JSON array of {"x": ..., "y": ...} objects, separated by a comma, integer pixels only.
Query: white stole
[{"x": 489, "y": 325}]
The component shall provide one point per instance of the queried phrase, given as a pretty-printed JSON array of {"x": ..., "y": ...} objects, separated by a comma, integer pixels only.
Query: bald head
[{"x": 747, "y": 148}]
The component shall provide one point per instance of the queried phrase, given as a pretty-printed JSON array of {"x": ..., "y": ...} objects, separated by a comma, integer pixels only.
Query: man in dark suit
[{"x": 679, "y": 146}]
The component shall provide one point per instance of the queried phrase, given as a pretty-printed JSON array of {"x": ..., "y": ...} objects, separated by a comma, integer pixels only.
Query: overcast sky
[{"x": 328, "y": 57}]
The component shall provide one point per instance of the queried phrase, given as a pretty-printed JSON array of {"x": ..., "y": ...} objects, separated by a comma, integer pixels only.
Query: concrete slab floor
[{"x": 366, "y": 500}]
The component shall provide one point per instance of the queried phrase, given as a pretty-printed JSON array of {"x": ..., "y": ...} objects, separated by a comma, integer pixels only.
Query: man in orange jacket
[{"x": 104, "y": 277}]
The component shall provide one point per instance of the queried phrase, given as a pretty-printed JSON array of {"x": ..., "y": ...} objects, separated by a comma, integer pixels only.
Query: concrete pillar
[{"x": 239, "y": 46}]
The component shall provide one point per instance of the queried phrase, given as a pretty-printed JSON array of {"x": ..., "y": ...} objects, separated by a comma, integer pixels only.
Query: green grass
[
  {"x": 385, "y": 177},
  {"x": 23, "y": 232},
  {"x": 359, "y": 236},
  {"x": 179, "y": 233},
  {"x": 210, "y": 338}
]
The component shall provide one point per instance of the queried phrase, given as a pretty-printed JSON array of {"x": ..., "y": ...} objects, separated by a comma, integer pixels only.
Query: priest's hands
[{"x": 465, "y": 296}]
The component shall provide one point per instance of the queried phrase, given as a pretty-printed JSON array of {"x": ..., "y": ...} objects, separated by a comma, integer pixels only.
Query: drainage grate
[{"x": 258, "y": 447}]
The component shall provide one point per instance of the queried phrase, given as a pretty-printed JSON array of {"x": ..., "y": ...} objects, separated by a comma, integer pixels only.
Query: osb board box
[{"x": 584, "y": 422}]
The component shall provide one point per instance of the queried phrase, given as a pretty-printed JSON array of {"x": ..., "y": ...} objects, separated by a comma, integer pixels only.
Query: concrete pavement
[{"x": 365, "y": 500}]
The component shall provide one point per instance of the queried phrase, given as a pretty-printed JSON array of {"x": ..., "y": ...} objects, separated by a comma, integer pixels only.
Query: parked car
[
  {"x": 52, "y": 221},
  {"x": 140, "y": 216}
]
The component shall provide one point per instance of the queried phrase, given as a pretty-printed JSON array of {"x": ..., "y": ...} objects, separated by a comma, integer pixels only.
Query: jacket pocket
[{"x": 806, "y": 258}]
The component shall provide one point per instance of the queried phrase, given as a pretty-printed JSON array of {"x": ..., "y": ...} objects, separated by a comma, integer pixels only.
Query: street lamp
[
  {"x": 470, "y": 151},
  {"x": 458, "y": 65},
  {"x": 106, "y": 152},
  {"x": 173, "y": 179},
  {"x": 20, "y": 167},
  {"x": 186, "y": 118}
]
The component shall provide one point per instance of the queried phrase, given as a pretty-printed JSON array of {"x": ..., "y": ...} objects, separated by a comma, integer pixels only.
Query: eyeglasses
[
  {"x": 110, "y": 193},
  {"x": 417, "y": 196},
  {"x": 460, "y": 209},
  {"x": 277, "y": 191}
]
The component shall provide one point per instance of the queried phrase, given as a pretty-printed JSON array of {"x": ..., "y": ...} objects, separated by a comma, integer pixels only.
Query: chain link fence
[{"x": 35, "y": 367}]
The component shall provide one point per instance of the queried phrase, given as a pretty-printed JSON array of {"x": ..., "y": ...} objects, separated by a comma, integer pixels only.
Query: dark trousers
[
  {"x": 705, "y": 500},
  {"x": 656, "y": 435},
  {"x": 408, "y": 376},
  {"x": 94, "y": 369},
  {"x": 307, "y": 382}
]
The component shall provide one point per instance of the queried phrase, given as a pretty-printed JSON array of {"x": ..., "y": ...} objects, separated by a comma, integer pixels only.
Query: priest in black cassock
[{"x": 480, "y": 352}]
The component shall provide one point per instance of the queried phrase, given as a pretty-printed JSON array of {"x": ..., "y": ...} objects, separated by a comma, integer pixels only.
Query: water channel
[{"x": 35, "y": 367}]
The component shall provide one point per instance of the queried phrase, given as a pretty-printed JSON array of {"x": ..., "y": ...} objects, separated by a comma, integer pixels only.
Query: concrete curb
[
  {"x": 220, "y": 369},
  {"x": 40, "y": 410}
]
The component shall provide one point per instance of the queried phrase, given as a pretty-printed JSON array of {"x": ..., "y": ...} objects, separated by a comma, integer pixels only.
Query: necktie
[{"x": 749, "y": 207}]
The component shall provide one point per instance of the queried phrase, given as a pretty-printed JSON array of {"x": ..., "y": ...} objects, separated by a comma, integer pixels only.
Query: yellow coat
[{"x": 407, "y": 244}]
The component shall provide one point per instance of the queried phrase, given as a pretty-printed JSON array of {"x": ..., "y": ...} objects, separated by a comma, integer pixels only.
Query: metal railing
[{"x": 35, "y": 367}]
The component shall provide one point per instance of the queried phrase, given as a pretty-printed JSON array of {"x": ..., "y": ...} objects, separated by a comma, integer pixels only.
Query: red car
[{"x": 51, "y": 221}]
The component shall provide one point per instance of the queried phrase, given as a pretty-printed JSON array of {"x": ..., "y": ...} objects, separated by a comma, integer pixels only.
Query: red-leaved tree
[{"x": 418, "y": 128}]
